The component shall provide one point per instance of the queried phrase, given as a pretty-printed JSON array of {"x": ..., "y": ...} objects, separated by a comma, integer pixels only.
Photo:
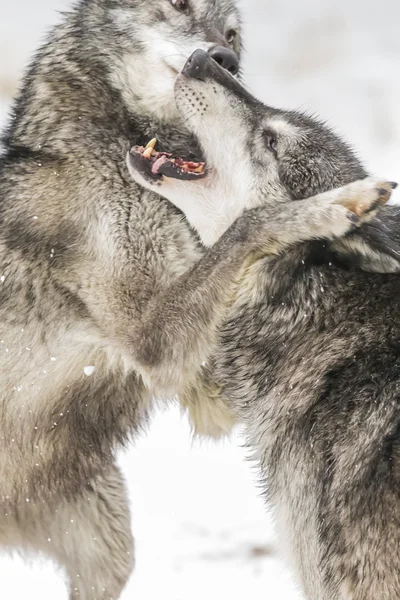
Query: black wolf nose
[
  {"x": 198, "y": 65},
  {"x": 226, "y": 58}
]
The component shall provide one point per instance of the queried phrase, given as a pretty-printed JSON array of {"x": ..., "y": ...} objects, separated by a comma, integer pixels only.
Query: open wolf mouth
[{"x": 155, "y": 164}]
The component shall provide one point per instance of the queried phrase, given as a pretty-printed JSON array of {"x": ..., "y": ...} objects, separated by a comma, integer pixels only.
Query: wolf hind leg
[
  {"x": 98, "y": 551},
  {"x": 89, "y": 536}
]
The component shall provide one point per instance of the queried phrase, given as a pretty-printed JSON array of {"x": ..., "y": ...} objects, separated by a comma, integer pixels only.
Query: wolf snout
[{"x": 199, "y": 65}]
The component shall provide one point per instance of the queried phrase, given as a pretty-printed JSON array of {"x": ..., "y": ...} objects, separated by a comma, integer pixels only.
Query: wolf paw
[
  {"x": 364, "y": 197},
  {"x": 342, "y": 210}
]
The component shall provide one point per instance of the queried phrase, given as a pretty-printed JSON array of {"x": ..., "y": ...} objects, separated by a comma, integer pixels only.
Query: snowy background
[{"x": 201, "y": 529}]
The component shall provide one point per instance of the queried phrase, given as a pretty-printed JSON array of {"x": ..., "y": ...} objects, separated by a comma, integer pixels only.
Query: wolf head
[
  {"x": 255, "y": 155},
  {"x": 149, "y": 43}
]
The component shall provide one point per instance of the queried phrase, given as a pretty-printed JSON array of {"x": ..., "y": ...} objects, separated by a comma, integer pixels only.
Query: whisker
[
  {"x": 177, "y": 44},
  {"x": 164, "y": 57},
  {"x": 189, "y": 117}
]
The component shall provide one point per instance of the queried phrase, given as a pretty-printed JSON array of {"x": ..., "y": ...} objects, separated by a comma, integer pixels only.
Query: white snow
[
  {"x": 201, "y": 529},
  {"x": 89, "y": 371}
]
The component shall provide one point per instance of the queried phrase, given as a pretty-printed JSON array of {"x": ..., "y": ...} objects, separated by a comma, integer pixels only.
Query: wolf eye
[
  {"x": 181, "y": 5},
  {"x": 231, "y": 36},
  {"x": 271, "y": 141}
]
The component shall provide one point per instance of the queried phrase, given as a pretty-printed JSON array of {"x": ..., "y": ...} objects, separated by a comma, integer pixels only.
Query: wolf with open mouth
[{"x": 308, "y": 356}]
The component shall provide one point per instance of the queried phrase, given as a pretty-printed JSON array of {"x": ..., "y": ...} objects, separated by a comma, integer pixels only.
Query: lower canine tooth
[
  {"x": 152, "y": 144},
  {"x": 148, "y": 152},
  {"x": 199, "y": 169}
]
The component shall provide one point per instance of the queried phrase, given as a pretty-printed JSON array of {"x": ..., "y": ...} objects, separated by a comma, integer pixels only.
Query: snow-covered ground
[
  {"x": 200, "y": 527},
  {"x": 201, "y": 530}
]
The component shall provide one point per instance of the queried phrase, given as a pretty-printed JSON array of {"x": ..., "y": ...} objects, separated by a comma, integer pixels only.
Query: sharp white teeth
[
  {"x": 152, "y": 144},
  {"x": 148, "y": 152},
  {"x": 199, "y": 169}
]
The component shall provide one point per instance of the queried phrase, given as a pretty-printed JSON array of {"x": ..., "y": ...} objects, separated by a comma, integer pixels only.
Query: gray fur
[
  {"x": 91, "y": 266},
  {"x": 309, "y": 357}
]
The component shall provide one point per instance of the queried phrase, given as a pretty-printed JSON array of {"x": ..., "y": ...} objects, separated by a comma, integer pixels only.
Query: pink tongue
[{"x": 160, "y": 161}]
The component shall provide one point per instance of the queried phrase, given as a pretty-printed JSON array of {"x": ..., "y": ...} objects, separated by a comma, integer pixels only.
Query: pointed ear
[{"x": 375, "y": 246}]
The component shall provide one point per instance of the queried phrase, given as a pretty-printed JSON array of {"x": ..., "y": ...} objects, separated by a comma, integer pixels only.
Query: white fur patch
[
  {"x": 148, "y": 78},
  {"x": 282, "y": 127}
]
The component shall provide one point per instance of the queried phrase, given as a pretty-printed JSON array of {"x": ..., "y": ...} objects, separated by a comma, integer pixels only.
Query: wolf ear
[{"x": 375, "y": 246}]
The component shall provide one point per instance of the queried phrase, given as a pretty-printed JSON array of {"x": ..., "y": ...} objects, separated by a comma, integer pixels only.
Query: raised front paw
[{"x": 364, "y": 197}]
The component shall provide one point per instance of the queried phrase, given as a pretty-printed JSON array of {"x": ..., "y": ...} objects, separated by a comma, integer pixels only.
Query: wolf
[
  {"x": 107, "y": 296},
  {"x": 90, "y": 268},
  {"x": 308, "y": 357}
]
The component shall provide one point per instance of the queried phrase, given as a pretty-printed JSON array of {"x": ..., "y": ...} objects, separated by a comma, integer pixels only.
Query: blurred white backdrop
[{"x": 200, "y": 527}]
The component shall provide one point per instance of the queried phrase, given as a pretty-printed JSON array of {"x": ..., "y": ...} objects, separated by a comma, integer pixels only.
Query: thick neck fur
[
  {"x": 69, "y": 92},
  {"x": 298, "y": 309}
]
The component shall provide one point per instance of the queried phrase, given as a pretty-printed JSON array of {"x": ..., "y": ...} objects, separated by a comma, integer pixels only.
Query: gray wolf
[
  {"x": 308, "y": 357},
  {"x": 91, "y": 266}
]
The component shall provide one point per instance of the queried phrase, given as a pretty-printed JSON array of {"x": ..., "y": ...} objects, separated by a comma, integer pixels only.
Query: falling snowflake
[{"x": 89, "y": 370}]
